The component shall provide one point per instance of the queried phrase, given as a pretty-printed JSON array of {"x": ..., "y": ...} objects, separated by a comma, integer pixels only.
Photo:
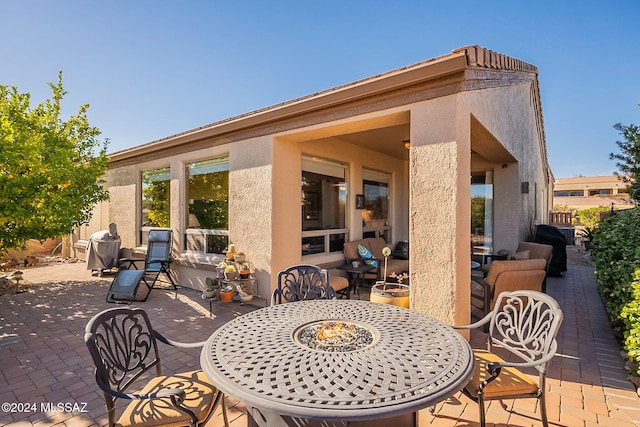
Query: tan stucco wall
[
  {"x": 440, "y": 190},
  {"x": 439, "y": 211},
  {"x": 508, "y": 113}
]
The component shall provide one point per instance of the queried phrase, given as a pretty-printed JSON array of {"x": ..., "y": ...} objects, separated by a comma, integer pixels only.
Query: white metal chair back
[{"x": 526, "y": 323}]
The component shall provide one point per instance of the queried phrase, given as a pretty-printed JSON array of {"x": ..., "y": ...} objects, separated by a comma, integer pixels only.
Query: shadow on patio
[{"x": 43, "y": 358}]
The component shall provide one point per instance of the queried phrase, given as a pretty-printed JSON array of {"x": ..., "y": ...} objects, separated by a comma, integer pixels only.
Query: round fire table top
[{"x": 408, "y": 361}]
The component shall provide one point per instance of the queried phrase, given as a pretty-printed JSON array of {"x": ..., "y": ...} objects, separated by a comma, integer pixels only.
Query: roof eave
[{"x": 372, "y": 86}]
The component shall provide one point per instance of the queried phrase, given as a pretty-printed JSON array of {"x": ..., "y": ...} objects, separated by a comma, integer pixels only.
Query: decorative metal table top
[{"x": 337, "y": 360}]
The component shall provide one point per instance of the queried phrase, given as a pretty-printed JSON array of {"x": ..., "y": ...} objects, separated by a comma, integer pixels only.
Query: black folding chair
[{"x": 157, "y": 261}]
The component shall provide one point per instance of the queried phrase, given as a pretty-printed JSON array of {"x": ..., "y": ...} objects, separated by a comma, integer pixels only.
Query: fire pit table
[{"x": 336, "y": 361}]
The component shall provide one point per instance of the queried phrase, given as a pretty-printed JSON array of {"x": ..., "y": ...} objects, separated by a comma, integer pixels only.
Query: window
[
  {"x": 600, "y": 192},
  {"x": 482, "y": 211},
  {"x": 207, "y": 193},
  {"x": 324, "y": 207},
  {"x": 156, "y": 199},
  {"x": 375, "y": 215}
]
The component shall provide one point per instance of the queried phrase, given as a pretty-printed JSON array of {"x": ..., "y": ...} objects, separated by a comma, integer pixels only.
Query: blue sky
[{"x": 150, "y": 69}]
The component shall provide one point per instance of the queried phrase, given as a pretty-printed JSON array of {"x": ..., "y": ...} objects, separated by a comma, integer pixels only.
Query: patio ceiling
[{"x": 388, "y": 140}]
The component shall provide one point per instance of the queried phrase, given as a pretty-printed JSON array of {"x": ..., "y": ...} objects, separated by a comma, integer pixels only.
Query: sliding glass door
[{"x": 482, "y": 211}]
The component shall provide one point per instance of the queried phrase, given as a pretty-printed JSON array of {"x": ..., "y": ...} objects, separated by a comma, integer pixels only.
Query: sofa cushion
[
  {"x": 351, "y": 249},
  {"x": 499, "y": 267},
  {"x": 376, "y": 245},
  {"x": 519, "y": 256},
  {"x": 536, "y": 250}
]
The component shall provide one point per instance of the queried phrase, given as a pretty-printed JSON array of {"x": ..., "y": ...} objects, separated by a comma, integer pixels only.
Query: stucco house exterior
[{"x": 397, "y": 155}]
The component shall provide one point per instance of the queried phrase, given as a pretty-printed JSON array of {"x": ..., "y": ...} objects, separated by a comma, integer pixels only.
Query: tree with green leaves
[
  {"x": 628, "y": 159},
  {"x": 50, "y": 169}
]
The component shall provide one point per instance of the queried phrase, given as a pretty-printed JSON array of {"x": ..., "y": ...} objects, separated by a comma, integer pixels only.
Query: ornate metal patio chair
[
  {"x": 302, "y": 282},
  {"x": 523, "y": 326},
  {"x": 123, "y": 346},
  {"x": 125, "y": 284}
]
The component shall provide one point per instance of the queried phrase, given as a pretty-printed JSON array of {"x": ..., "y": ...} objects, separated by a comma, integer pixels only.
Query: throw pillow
[
  {"x": 519, "y": 256},
  {"x": 367, "y": 256}
]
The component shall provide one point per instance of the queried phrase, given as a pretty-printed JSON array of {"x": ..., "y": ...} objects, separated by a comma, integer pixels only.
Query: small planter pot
[
  {"x": 226, "y": 296},
  {"x": 231, "y": 275},
  {"x": 390, "y": 293},
  {"x": 245, "y": 274},
  {"x": 245, "y": 290},
  {"x": 209, "y": 294},
  {"x": 246, "y": 298}
]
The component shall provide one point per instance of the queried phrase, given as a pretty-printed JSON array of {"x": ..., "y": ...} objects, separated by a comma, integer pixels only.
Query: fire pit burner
[{"x": 334, "y": 336}]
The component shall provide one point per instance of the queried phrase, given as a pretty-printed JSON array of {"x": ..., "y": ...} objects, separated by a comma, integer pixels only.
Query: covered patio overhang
[{"x": 448, "y": 109}]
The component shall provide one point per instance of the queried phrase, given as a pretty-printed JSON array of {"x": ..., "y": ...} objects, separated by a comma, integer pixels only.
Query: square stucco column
[{"x": 440, "y": 212}]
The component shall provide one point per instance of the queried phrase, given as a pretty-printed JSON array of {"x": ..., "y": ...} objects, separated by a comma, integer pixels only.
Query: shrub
[
  {"x": 590, "y": 217},
  {"x": 616, "y": 256},
  {"x": 631, "y": 316}
]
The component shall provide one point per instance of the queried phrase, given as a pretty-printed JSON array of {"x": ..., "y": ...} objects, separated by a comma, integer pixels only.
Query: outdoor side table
[
  {"x": 393, "y": 362},
  {"x": 355, "y": 273}
]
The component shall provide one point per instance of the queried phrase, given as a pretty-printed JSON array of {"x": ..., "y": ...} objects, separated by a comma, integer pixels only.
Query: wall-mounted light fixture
[{"x": 407, "y": 143}]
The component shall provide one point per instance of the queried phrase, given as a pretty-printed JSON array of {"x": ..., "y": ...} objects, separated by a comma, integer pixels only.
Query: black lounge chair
[{"x": 158, "y": 261}]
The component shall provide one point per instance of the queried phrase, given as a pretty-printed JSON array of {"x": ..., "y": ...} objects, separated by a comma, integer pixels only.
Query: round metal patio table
[{"x": 412, "y": 361}]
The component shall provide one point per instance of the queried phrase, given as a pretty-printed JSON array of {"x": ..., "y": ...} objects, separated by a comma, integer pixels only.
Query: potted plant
[
  {"x": 213, "y": 289},
  {"x": 231, "y": 252},
  {"x": 226, "y": 292},
  {"x": 587, "y": 233},
  {"x": 245, "y": 290},
  {"x": 240, "y": 257},
  {"x": 220, "y": 270},
  {"x": 230, "y": 272},
  {"x": 390, "y": 293},
  {"x": 244, "y": 270}
]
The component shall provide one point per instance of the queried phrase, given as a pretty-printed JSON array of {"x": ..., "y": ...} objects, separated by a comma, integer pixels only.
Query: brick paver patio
[{"x": 43, "y": 359}]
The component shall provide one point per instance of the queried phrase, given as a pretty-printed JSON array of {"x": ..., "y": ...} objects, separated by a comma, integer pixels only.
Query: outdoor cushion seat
[
  {"x": 339, "y": 284},
  {"x": 199, "y": 399},
  {"x": 505, "y": 276},
  {"x": 510, "y": 381},
  {"x": 125, "y": 285},
  {"x": 528, "y": 250}
]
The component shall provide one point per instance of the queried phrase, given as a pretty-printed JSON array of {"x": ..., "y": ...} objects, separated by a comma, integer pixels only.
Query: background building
[{"x": 584, "y": 192}]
